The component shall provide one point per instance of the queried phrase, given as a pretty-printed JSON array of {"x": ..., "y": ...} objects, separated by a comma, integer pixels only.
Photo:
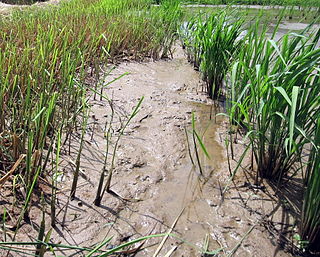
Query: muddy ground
[{"x": 153, "y": 167}]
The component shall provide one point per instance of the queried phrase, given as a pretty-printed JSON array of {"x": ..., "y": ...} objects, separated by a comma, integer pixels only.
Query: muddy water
[{"x": 172, "y": 91}]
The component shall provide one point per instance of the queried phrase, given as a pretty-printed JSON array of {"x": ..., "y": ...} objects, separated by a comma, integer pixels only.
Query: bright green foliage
[
  {"x": 275, "y": 97},
  {"x": 214, "y": 42},
  {"x": 310, "y": 221},
  {"x": 309, "y": 3},
  {"x": 45, "y": 56}
]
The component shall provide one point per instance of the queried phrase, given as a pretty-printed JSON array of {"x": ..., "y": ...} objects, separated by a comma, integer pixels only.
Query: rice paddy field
[{"x": 160, "y": 128}]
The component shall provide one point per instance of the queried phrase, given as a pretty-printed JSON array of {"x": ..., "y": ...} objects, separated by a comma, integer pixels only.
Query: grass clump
[
  {"x": 272, "y": 90},
  {"x": 213, "y": 43},
  {"x": 275, "y": 96},
  {"x": 310, "y": 221},
  {"x": 302, "y": 3}
]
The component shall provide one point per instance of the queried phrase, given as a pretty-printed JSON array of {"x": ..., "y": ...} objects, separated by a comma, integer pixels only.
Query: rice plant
[
  {"x": 106, "y": 188},
  {"x": 44, "y": 245},
  {"x": 275, "y": 96},
  {"x": 214, "y": 43},
  {"x": 303, "y": 3},
  {"x": 310, "y": 220}
]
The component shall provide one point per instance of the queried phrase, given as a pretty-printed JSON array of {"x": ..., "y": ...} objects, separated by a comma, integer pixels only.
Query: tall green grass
[
  {"x": 302, "y": 3},
  {"x": 275, "y": 95},
  {"x": 310, "y": 220},
  {"x": 213, "y": 43},
  {"x": 46, "y": 56}
]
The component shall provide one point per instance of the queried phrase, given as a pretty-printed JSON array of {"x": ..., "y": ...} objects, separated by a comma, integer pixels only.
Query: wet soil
[{"x": 153, "y": 166}]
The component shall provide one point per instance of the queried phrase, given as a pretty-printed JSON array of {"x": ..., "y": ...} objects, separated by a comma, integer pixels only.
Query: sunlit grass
[
  {"x": 314, "y": 3},
  {"x": 310, "y": 220},
  {"x": 212, "y": 43}
]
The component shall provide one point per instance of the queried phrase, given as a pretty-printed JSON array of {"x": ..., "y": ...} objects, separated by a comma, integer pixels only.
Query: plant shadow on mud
[{"x": 281, "y": 216}]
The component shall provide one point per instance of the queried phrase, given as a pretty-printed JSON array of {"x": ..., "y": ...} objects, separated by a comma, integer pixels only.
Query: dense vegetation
[
  {"x": 272, "y": 89},
  {"x": 313, "y": 3},
  {"x": 47, "y": 55}
]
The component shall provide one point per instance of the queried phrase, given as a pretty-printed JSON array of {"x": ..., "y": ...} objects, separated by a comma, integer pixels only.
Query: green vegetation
[
  {"x": 275, "y": 96},
  {"x": 211, "y": 43},
  {"x": 314, "y": 3},
  {"x": 272, "y": 89},
  {"x": 44, "y": 245},
  {"x": 47, "y": 56},
  {"x": 309, "y": 227}
]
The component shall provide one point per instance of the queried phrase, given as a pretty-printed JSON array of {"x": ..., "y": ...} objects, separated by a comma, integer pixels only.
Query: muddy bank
[{"x": 153, "y": 165}]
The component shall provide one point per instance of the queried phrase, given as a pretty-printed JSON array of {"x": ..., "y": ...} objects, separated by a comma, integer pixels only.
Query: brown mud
[{"x": 154, "y": 166}]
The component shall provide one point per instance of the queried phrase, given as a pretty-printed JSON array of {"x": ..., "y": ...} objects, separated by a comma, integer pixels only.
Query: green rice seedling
[
  {"x": 39, "y": 247},
  {"x": 310, "y": 218},
  {"x": 108, "y": 135},
  {"x": 194, "y": 135},
  {"x": 169, "y": 13},
  {"x": 54, "y": 177},
  {"x": 197, "y": 140},
  {"x": 251, "y": 55},
  {"x": 300, "y": 3},
  {"x": 188, "y": 145},
  {"x": 101, "y": 191},
  {"x": 215, "y": 41},
  {"x": 78, "y": 160},
  {"x": 279, "y": 98},
  {"x": 96, "y": 251}
]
